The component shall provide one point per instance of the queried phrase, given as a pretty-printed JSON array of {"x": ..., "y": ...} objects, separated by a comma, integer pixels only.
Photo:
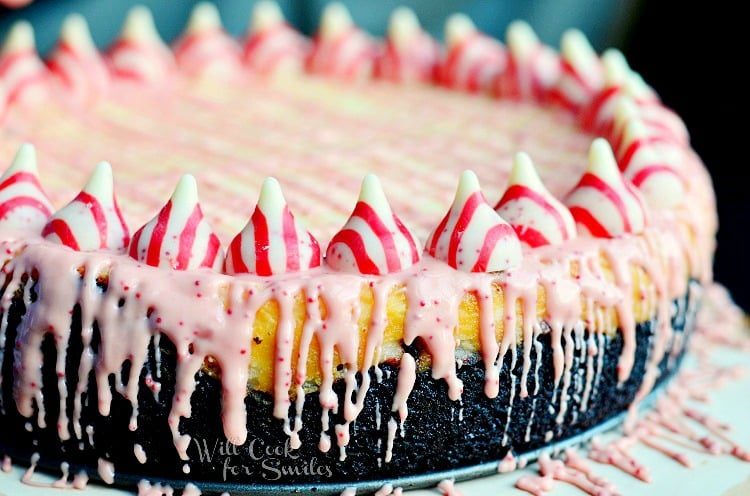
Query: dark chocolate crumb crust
[{"x": 438, "y": 434}]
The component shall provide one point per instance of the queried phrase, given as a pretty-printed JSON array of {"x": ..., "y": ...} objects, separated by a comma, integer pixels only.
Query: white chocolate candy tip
[
  {"x": 24, "y": 161},
  {"x": 139, "y": 25},
  {"x": 520, "y": 38},
  {"x": 403, "y": 27},
  {"x": 575, "y": 46},
  {"x": 186, "y": 191},
  {"x": 266, "y": 14},
  {"x": 403, "y": 21},
  {"x": 468, "y": 183},
  {"x": 271, "y": 196},
  {"x": 524, "y": 172},
  {"x": 335, "y": 20},
  {"x": 75, "y": 32},
  {"x": 371, "y": 191},
  {"x": 457, "y": 27},
  {"x": 602, "y": 161},
  {"x": 20, "y": 38},
  {"x": 616, "y": 68},
  {"x": 101, "y": 182},
  {"x": 204, "y": 17}
]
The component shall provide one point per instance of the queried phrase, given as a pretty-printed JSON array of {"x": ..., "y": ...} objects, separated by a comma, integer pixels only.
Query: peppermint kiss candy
[
  {"x": 652, "y": 166},
  {"x": 604, "y": 203},
  {"x": 340, "y": 49},
  {"x": 76, "y": 63},
  {"x": 598, "y": 115},
  {"x": 472, "y": 237},
  {"x": 410, "y": 53},
  {"x": 373, "y": 241},
  {"x": 92, "y": 221},
  {"x": 23, "y": 204},
  {"x": 178, "y": 237},
  {"x": 273, "y": 241},
  {"x": 533, "y": 68},
  {"x": 140, "y": 54},
  {"x": 582, "y": 75},
  {"x": 205, "y": 48},
  {"x": 537, "y": 216},
  {"x": 474, "y": 60},
  {"x": 272, "y": 45},
  {"x": 658, "y": 120},
  {"x": 21, "y": 71}
]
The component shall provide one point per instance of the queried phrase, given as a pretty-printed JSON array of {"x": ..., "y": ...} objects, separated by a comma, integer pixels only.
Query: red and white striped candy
[
  {"x": 472, "y": 237},
  {"x": 273, "y": 241},
  {"x": 273, "y": 45},
  {"x": 374, "y": 240},
  {"x": 76, "y": 63},
  {"x": 533, "y": 68},
  {"x": 660, "y": 122},
  {"x": 604, "y": 204},
  {"x": 474, "y": 59},
  {"x": 140, "y": 54},
  {"x": 21, "y": 70},
  {"x": 205, "y": 48},
  {"x": 537, "y": 216},
  {"x": 92, "y": 221},
  {"x": 179, "y": 237},
  {"x": 23, "y": 203},
  {"x": 619, "y": 81},
  {"x": 410, "y": 53},
  {"x": 340, "y": 49},
  {"x": 652, "y": 165},
  {"x": 581, "y": 74}
]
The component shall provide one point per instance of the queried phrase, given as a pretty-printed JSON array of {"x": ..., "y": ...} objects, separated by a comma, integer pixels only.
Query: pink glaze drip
[{"x": 447, "y": 488}]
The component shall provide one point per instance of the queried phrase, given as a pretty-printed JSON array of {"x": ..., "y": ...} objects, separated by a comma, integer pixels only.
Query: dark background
[{"x": 690, "y": 52}]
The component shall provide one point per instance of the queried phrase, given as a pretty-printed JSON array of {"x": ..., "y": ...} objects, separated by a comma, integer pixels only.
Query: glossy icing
[{"x": 599, "y": 284}]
